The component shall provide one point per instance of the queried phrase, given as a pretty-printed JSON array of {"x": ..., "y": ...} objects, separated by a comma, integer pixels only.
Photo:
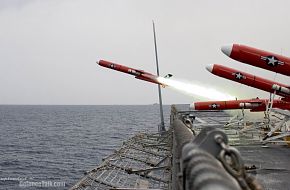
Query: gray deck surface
[
  {"x": 272, "y": 161},
  {"x": 273, "y": 169}
]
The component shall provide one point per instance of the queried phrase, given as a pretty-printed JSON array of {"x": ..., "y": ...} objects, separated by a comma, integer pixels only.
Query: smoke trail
[{"x": 195, "y": 90}]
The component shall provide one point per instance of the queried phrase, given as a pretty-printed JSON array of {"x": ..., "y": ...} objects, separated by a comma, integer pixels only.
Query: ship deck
[
  {"x": 271, "y": 161},
  {"x": 144, "y": 161}
]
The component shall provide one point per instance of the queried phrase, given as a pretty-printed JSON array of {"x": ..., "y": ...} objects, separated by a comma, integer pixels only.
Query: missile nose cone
[
  {"x": 192, "y": 106},
  {"x": 209, "y": 68},
  {"x": 98, "y": 62},
  {"x": 227, "y": 49}
]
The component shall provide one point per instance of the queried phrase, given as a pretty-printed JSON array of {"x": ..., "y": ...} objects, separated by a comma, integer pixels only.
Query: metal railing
[{"x": 205, "y": 161}]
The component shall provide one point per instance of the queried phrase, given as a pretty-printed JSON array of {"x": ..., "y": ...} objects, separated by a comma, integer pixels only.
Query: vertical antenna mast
[{"x": 161, "y": 127}]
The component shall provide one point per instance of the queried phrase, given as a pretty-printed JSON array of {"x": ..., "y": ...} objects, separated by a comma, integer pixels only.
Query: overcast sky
[{"x": 48, "y": 49}]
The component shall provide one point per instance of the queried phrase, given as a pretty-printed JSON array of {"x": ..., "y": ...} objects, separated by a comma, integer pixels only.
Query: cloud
[
  {"x": 14, "y": 4},
  {"x": 48, "y": 49}
]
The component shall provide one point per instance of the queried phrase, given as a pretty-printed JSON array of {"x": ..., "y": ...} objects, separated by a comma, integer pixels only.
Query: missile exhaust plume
[{"x": 195, "y": 89}]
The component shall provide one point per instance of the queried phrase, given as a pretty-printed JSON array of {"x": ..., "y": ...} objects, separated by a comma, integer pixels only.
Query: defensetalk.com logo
[
  {"x": 41, "y": 183},
  {"x": 31, "y": 182}
]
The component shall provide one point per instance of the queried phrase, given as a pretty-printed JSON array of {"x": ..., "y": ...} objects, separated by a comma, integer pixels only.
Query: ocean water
[{"x": 50, "y": 147}]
